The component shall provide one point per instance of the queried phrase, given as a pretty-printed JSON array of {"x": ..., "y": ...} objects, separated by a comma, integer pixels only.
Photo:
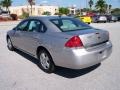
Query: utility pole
[{"x": 86, "y": 4}]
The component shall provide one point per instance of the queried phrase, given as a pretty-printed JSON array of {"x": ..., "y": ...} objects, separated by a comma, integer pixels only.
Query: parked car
[
  {"x": 0, "y": 11},
  {"x": 60, "y": 41},
  {"x": 86, "y": 19},
  {"x": 5, "y": 14},
  {"x": 99, "y": 18},
  {"x": 111, "y": 18},
  {"x": 118, "y": 17}
]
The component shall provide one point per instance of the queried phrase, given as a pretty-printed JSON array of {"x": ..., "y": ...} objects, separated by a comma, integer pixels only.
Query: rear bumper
[{"x": 82, "y": 58}]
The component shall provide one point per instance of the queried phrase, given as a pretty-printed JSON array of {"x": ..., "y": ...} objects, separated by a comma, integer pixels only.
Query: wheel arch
[
  {"x": 43, "y": 48},
  {"x": 7, "y": 37}
]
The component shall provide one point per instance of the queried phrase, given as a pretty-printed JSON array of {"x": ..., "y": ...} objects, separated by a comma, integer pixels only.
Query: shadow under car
[{"x": 64, "y": 72}]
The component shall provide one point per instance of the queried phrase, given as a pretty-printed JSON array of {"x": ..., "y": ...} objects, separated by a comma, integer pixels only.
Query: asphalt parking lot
[{"x": 19, "y": 71}]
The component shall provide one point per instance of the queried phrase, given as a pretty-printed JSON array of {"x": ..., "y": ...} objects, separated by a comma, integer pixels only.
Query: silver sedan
[{"x": 60, "y": 41}]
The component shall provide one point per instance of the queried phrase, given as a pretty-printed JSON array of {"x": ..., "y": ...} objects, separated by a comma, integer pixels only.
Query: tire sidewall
[
  {"x": 10, "y": 48},
  {"x": 52, "y": 65}
]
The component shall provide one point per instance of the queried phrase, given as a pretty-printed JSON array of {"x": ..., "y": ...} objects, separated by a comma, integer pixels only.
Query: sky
[{"x": 66, "y": 3}]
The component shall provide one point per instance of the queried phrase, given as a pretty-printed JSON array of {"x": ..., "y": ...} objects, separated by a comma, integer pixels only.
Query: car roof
[
  {"x": 46, "y": 21},
  {"x": 47, "y": 17}
]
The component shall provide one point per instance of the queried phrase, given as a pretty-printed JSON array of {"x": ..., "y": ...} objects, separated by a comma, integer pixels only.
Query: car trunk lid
[{"x": 91, "y": 37}]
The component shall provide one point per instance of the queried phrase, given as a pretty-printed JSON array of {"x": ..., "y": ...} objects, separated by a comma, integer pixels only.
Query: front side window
[
  {"x": 69, "y": 24},
  {"x": 23, "y": 26}
]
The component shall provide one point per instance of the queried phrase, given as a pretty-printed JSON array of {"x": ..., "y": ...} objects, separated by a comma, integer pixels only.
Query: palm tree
[
  {"x": 106, "y": 8},
  {"x": 31, "y": 2},
  {"x": 7, "y": 4},
  {"x": 110, "y": 6},
  {"x": 63, "y": 10},
  {"x": 90, "y": 4},
  {"x": 100, "y": 6},
  {"x": 0, "y": 8},
  {"x": 0, "y": 4}
]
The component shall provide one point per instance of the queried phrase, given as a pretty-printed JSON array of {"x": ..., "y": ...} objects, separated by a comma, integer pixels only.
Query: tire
[
  {"x": 104, "y": 21},
  {"x": 45, "y": 61},
  {"x": 9, "y": 44}
]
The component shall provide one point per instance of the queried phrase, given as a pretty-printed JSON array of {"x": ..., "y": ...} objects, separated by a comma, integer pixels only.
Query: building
[
  {"x": 36, "y": 10},
  {"x": 72, "y": 10},
  {"x": 51, "y": 9}
]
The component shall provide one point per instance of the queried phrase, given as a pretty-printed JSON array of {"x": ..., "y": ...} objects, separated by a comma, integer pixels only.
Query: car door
[
  {"x": 28, "y": 35},
  {"x": 19, "y": 36},
  {"x": 33, "y": 36}
]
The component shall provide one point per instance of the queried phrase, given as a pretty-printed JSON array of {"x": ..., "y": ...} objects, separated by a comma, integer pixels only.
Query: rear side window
[
  {"x": 69, "y": 24},
  {"x": 36, "y": 26},
  {"x": 32, "y": 26}
]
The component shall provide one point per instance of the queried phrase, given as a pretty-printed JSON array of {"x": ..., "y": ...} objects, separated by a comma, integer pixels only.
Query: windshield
[{"x": 69, "y": 24}]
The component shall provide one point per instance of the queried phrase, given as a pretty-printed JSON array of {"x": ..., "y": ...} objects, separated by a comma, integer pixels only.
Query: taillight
[{"x": 74, "y": 42}]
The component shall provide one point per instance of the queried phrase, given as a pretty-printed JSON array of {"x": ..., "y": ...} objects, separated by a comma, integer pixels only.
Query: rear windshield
[{"x": 69, "y": 24}]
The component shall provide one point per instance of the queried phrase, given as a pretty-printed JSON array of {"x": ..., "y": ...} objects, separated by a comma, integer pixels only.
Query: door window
[
  {"x": 23, "y": 26},
  {"x": 36, "y": 26}
]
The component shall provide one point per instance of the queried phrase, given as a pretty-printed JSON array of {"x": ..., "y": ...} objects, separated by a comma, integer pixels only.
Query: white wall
[{"x": 37, "y": 10}]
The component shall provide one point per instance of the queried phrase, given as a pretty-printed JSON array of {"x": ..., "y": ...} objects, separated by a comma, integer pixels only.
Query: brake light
[{"x": 74, "y": 42}]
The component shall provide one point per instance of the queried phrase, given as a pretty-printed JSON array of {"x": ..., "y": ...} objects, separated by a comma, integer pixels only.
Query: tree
[
  {"x": 85, "y": 10},
  {"x": 116, "y": 11},
  {"x": 63, "y": 10},
  {"x": 100, "y": 6},
  {"x": 110, "y": 7},
  {"x": 31, "y": 2},
  {"x": 106, "y": 8},
  {"x": 46, "y": 13},
  {"x": 90, "y": 4},
  {"x": 0, "y": 4},
  {"x": 7, "y": 4},
  {"x": 78, "y": 12}
]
